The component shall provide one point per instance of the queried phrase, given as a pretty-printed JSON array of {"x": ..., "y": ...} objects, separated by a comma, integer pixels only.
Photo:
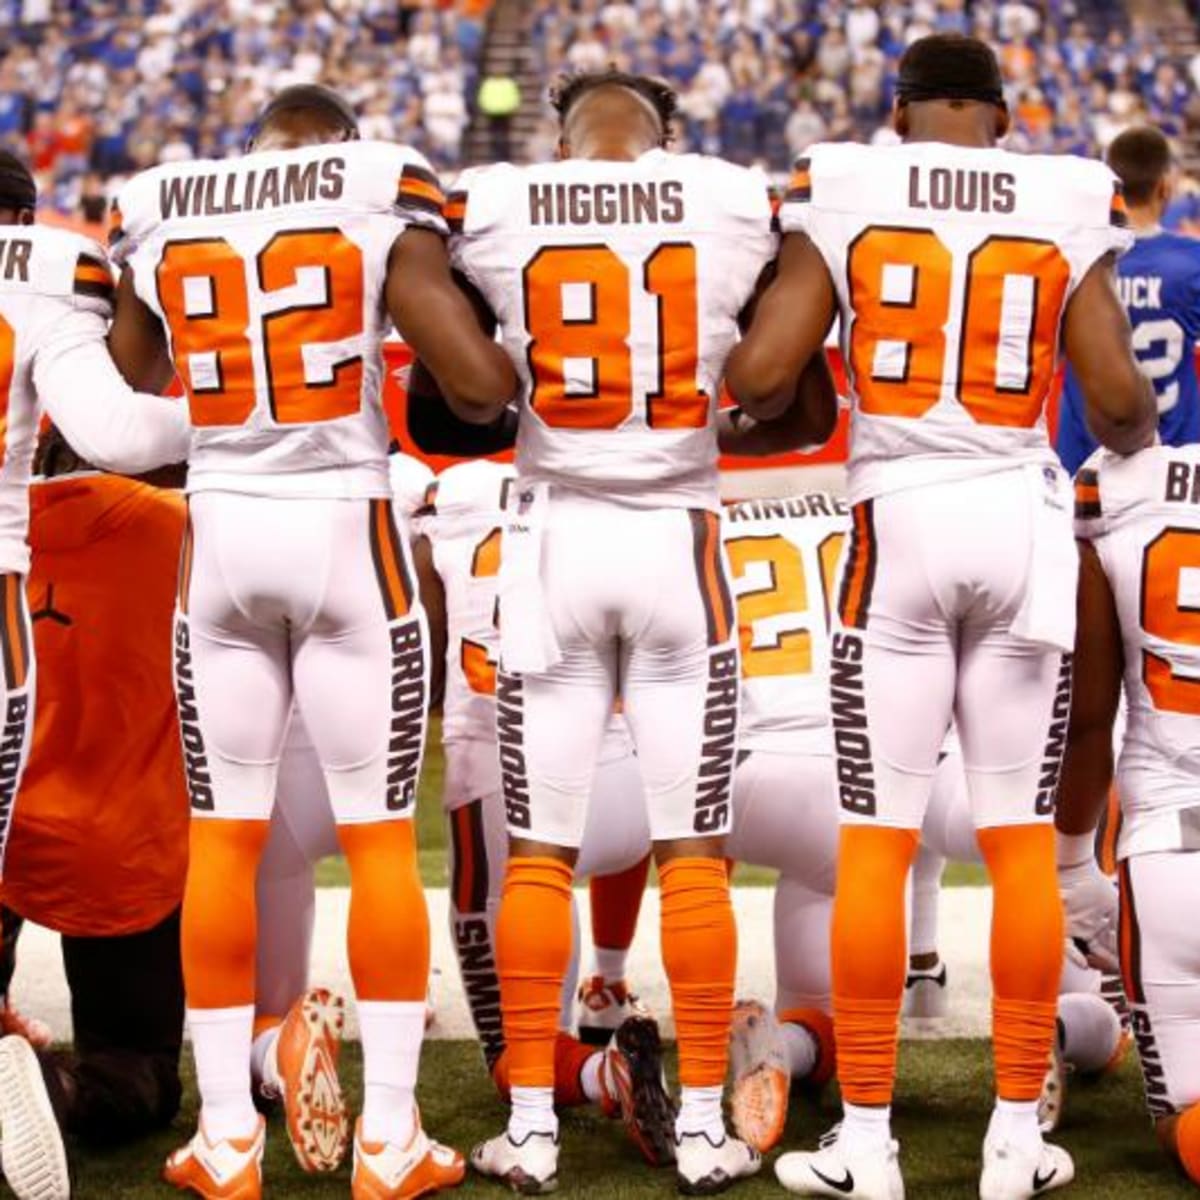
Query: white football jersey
[
  {"x": 617, "y": 286},
  {"x": 56, "y": 293},
  {"x": 1142, "y": 514},
  {"x": 783, "y": 558},
  {"x": 268, "y": 275},
  {"x": 463, "y": 519},
  {"x": 953, "y": 268}
]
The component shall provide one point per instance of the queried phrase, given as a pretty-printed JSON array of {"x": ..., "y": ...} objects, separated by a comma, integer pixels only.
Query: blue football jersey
[{"x": 1159, "y": 284}]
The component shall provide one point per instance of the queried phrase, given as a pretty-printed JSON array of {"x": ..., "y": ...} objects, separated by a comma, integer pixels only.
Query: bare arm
[
  {"x": 137, "y": 342},
  {"x": 809, "y": 421},
  {"x": 433, "y": 598},
  {"x": 436, "y": 319},
  {"x": 1087, "y": 770},
  {"x": 1120, "y": 406},
  {"x": 791, "y": 319}
]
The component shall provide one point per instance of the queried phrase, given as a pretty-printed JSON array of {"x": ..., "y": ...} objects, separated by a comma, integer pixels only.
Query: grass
[
  {"x": 941, "y": 1115},
  {"x": 431, "y": 837}
]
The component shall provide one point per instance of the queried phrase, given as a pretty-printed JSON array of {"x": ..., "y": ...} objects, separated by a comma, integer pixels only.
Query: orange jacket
[{"x": 99, "y": 839}]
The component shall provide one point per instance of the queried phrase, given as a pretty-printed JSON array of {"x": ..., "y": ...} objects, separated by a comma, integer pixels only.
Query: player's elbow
[
  {"x": 1122, "y": 412},
  {"x": 480, "y": 394},
  {"x": 759, "y": 384}
]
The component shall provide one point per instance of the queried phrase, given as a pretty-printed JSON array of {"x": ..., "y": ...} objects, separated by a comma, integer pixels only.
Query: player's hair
[
  {"x": 950, "y": 66},
  {"x": 1140, "y": 157},
  {"x": 324, "y": 102},
  {"x": 17, "y": 188},
  {"x": 568, "y": 90}
]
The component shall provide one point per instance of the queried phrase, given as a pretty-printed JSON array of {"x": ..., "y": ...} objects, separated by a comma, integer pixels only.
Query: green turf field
[
  {"x": 431, "y": 832},
  {"x": 941, "y": 1115}
]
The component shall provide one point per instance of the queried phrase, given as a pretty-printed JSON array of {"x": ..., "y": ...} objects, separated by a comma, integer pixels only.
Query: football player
[
  {"x": 957, "y": 267},
  {"x": 1140, "y": 552},
  {"x": 267, "y": 283},
  {"x": 463, "y": 526},
  {"x": 617, "y": 276},
  {"x": 56, "y": 291},
  {"x": 1159, "y": 284}
]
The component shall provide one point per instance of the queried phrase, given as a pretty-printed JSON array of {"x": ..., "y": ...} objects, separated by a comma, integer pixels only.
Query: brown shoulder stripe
[
  {"x": 456, "y": 211},
  {"x": 93, "y": 278},
  {"x": 1087, "y": 494},
  {"x": 800, "y": 185},
  {"x": 419, "y": 189}
]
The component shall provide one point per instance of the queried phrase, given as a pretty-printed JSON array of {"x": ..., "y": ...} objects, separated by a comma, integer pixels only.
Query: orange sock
[
  {"x": 219, "y": 915},
  {"x": 388, "y": 931},
  {"x": 533, "y": 951},
  {"x": 1027, "y": 942},
  {"x": 869, "y": 957},
  {"x": 699, "y": 949},
  {"x": 570, "y": 1057},
  {"x": 1187, "y": 1141},
  {"x": 820, "y": 1025},
  {"x": 616, "y": 903},
  {"x": 265, "y": 1024}
]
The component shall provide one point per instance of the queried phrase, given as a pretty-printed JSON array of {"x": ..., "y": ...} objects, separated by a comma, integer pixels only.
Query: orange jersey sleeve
[{"x": 99, "y": 840}]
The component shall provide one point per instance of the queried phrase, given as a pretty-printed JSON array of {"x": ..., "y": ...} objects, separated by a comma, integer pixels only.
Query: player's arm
[
  {"x": 436, "y": 319},
  {"x": 1121, "y": 410},
  {"x": 433, "y": 598},
  {"x": 432, "y": 425},
  {"x": 808, "y": 422},
  {"x": 137, "y": 342},
  {"x": 1087, "y": 770},
  {"x": 101, "y": 416}
]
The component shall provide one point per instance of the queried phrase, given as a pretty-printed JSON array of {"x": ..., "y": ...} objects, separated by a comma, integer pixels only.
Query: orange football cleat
[
  {"x": 222, "y": 1170},
  {"x": 306, "y": 1064},
  {"x": 386, "y": 1171}
]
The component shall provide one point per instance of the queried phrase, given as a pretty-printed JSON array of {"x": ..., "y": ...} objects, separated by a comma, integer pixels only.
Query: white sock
[
  {"x": 1091, "y": 1031},
  {"x": 1016, "y": 1122},
  {"x": 866, "y": 1127},
  {"x": 264, "y": 1063},
  {"x": 700, "y": 1112},
  {"x": 926, "y": 892},
  {"x": 802, "y": 1050},
  {"x": 392, "y": 1032},
  {"x": 532, "y": 1112},
  {"x": 589, "y": 1078},
  {"x": 610, "y": 964},
  {"x": 221, "y": 1040}
]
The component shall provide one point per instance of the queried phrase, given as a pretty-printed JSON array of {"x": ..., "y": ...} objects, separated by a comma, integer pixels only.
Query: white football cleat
[
  {"x": 1053, "y": 1100},
  {"x": 926, "y": 997},
  {"x": 761, "y": 1076},
  {"x": 704, "y": 1167},
  {"x": 835, "y": 1170},
  {"x": 32, "y": 1154},
  {"x": 529, "y": 1167},
  {"x": 1020, "y": 1173},
  {"x": 603, "y": 1008}
]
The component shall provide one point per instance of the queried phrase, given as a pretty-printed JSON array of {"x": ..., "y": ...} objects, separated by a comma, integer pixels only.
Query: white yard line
[{"x": 41, "y": 990}]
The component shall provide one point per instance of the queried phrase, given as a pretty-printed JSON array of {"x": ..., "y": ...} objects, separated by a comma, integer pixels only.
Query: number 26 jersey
[
  {"x": 953, "y": 268},
  {"x": 617, "y": 286},
  {"x": 268, "y": 274}
]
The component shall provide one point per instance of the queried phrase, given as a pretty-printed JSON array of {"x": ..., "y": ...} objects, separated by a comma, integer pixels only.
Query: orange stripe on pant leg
[
  {"x": 859, "y": 569},
  {"x": 185, "y": 566},
  {"x": 1129, "y": 939},
  {"x": 869, "y": 957},
  {"x": 389, "y": 566},
  {"x": 14, "y": 631},
  {"x": 387, "y": 934},
  {"x": 219, "y": 911},
  {"x": 1026, "y": 954}
]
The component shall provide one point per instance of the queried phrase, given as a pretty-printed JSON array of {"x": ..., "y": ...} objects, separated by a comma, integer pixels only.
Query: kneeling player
[
  {"x": 463, "y": 524},
  {"x": 1140, "y": 554}
]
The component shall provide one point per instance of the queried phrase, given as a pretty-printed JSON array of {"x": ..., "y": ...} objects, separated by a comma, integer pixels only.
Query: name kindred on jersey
[{"x": 226, "y": 193}]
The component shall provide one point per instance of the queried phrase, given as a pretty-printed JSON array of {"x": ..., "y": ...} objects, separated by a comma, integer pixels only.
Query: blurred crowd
[
  {"x": 90, "y": 89},
  {"x": 762, "y": 79}
]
